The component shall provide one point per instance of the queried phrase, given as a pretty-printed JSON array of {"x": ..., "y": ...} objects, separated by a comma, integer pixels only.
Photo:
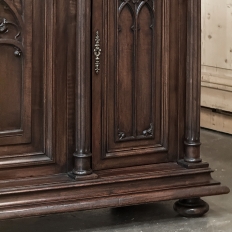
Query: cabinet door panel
[
  {"x": 32, "y": 85},
  {"x": 15, "y": 94},
  {"x": 130, "y": 92},
  {"x": 11, "y": 81}
]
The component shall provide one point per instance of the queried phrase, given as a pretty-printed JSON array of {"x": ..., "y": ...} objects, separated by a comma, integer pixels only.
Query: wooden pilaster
[
  {"x": 193, "y": 86},
  {"x": 82, "y": 154}
]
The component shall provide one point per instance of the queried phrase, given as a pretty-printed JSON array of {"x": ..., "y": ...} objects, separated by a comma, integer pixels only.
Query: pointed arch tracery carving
[
  {"x": 13, "y": 68},
  {"x": 11, "y": 25},
  {"x": 136, "y": 6},
  {"x": 140, "y": 21}
]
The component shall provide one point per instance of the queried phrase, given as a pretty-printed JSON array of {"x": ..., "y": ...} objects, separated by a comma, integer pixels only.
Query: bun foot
[{"x": 194, "y": 207}]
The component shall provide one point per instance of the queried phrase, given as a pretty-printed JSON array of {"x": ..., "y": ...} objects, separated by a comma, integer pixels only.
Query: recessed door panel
[
  {"x": 15, "y": 93},
  {"x": 32, "y": 85},
  {"x": 130, "y": 86}
]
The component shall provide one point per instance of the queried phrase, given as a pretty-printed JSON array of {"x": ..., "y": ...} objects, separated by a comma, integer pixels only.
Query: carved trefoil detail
[
  {"x": 121, "y": 135},
  {"x": 148, "y": 132}
]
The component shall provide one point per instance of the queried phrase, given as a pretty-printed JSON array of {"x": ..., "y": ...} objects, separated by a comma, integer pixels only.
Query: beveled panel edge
[
  {"x": 26, "y": 159},
  {"x": 137, "y": 151}
]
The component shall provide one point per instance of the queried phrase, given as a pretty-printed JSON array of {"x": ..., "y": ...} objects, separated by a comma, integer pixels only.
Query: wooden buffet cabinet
[{"x": 100, "y": 106}]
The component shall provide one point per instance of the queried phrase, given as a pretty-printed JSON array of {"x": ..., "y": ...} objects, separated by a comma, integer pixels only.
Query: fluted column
[
  {"x": 193, "y": 85},
  {"x": 82, "y": 154},
  {"x": 193, "y": 82}
]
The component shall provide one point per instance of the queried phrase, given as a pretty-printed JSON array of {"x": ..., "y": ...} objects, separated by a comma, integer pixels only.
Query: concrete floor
[{"x": 159, "y": 217}]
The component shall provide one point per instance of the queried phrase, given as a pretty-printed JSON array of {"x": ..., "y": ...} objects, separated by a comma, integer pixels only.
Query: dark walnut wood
[
  {"x": 193, "y": 85},
  {"x": 100, "y": 106},
  {"x": 82, "y": 154},
  {"x": 32, "y": 88},
  {"x": 194, "y": 207}
]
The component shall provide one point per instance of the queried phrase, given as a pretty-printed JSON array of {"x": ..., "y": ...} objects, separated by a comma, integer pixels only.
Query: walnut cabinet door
[
  {"x": 32, "y": 85},
  {"x": 134, "y": 120}
]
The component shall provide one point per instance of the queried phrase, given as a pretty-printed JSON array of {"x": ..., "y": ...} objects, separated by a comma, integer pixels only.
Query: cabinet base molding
[
  {"x": 83, "y": 177},
  {"x": 112, "y": 188},
  {"x": 185, "y": 164}
]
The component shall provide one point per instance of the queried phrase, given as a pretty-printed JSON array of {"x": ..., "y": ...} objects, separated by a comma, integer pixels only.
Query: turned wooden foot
[{"x": 194, "y": 207}]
